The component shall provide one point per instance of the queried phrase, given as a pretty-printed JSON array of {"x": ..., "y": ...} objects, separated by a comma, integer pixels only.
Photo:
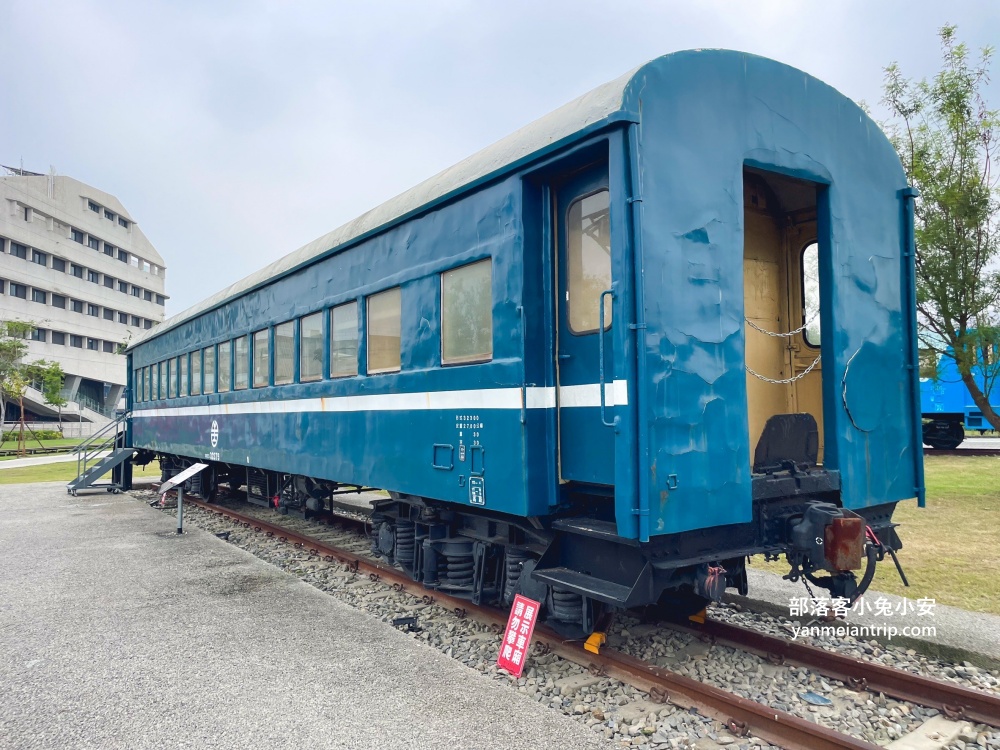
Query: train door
[
  {"x": 781, "y": 302},
  {"x": 583, "y": 265}
]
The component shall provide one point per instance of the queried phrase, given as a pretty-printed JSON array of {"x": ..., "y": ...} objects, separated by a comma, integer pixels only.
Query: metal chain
[
  {"x": 800, "y": 329},
  {"x": 792, "y": 379}
]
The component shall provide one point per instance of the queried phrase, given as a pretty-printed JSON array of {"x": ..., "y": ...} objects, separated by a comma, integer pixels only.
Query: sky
[{"x": 236, "y": 131}]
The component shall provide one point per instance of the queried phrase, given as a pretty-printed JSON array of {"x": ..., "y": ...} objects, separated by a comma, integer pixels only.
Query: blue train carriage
[
  {"x": 588, "y": 363},
  {"x": 946, "y": 405}
]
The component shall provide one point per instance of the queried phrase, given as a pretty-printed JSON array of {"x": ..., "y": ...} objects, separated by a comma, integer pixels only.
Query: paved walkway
[
  {"x": 52, "y": 458},
  {"x": 961, "y": 635},
  {"x": 115, "y": 632}
]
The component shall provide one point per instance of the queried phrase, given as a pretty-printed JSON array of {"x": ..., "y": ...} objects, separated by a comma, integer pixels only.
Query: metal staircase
[{"x": 102, "y": 452}]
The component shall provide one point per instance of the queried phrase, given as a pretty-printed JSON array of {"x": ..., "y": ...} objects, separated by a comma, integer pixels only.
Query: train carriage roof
[{"x": 592, "y": 111}]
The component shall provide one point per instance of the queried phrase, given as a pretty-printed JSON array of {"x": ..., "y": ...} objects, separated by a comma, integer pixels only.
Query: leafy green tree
[
  {"x": 16, "y": 375},
  {"x": 948, "y": 139}
]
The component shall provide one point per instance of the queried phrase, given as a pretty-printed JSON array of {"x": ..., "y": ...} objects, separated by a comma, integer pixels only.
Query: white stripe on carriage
[{"x": 588, "y": 395}]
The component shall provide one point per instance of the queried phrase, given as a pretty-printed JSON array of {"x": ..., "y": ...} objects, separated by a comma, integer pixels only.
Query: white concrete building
[{"x": 75, "y": 264}]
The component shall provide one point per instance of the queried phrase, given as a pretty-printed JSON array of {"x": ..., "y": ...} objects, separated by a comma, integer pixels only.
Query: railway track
[
  {"x": 962, "y": 452},
  {"x": 739, "y": 714}
]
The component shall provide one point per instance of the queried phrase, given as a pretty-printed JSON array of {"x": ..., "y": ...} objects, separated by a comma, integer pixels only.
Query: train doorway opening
[
  {"x": 781, "y": 293},
  {"x": 582, "y": 215}
]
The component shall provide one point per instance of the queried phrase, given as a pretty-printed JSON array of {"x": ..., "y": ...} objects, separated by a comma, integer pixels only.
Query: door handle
[{"x": 600, "y": 342}]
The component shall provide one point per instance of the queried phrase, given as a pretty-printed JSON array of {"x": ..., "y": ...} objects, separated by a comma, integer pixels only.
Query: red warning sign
[{"x": 517, "y": 636}]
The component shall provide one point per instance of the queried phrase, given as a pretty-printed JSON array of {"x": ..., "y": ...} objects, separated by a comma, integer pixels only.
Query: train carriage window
[
  {"x": 241, "y": 370},
  {"x": 284, "y": 353},
  {"x": 196, "y": 373},
  {"x": 810, "y": 294},
  {"x": 344, "y": 340},
  {"x": 261, "y": 359},
  {"x": 588, "y": 262},
  {"x": 156, "y": 381},
  {"x": 137, "y": 384},
  {"x": 182, "y": 374},
  {"x": 467, "y": 313},
  {"x": 171, "y": 378},
  {"x": 146, "y": 388},
  {"x": 384, "y": 326},
  {"x": 208, "y": 357},
  {"x": 225, "y": 366},
  {"x": 311, "y": 348}
]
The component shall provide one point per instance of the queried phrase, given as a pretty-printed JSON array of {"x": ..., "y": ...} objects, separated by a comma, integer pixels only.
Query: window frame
[
  {"x": 266, "y": 337},
  {"x": 802, "y": 289},
  {"x": 197, "y": 374},
  {"x": 293, "y": 359},
  {"x": 228, "y": 363},
  {"x": 475, "y": 359},
  {"x": 246, "y": 362},
  {"x": 301, "y": 348},
  {"x": 368, "y": 332},
  {"x": 357, "y": 340}
]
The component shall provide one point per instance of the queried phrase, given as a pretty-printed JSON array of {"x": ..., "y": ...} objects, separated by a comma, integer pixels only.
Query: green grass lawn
[
  {"x": 29, "y": 442},
  {"x": 63, "y": 472},
  {"x": 951, "y": 548}
]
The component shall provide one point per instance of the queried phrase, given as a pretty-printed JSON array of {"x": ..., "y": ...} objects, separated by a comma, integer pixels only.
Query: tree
[
  {"x": 16, "y": 375},
  {"x": 947, "y": 138}
]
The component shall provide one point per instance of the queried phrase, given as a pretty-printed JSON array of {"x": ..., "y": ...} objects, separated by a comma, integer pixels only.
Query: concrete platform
[
  {"x": 117, "y": 633},
  {"x": 961, "y": 635}
]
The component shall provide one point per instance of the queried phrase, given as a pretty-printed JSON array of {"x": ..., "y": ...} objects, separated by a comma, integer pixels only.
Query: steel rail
[
  {"x": 962, "y": 451},
  {"x": 741, "y": 715},
  {"x": 955, "y": 701}
]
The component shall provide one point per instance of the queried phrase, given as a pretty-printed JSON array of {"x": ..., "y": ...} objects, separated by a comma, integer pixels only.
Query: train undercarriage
[{"x": 575, "y": 564}]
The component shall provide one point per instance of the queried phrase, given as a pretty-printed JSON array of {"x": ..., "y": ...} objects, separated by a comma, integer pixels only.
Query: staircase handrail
[{"x": 93, "y": 448}]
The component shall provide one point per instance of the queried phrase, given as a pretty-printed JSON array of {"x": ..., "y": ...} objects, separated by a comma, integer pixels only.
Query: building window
[
  {"x": 59, "y": 301},
  {"x": 147, "y": 324},
  {"x": 147, "y": 295},
  {"x": 344, "y": 340},
  {"x": 196, "y": 373},
  {"x": 261, "y": 359},
  {"x": 135, "y": 321},
  {"x": 93, "y": 277},
  {"x": 109, "y": 281},
  {"x": 109, "y": 347},
  {"x": 123, "y": 256},
  {"x": 182, "y": 374},
  {"x": 18, "y": 290},
  {"x": 109, "y": 249},
  {"x": 284, "y": 353},
  {"x": 93, "y": 344},
  {"x": 93, "y": 311},
  {"x": 94, "y": 243},
  {"x": 37, "y": 256},
  {"x": 311, "y": 348},
  {"x": 1, "y": 286},
  {"x": 241, "y": 364},
  {"x": 208, "y": 359},
  {"x": 225, "y": 365},
  {"x": 38, "y": 334},
  {"x": 145, "y": 266},
  {"x": 37, "y": 295},
  {"x": 123, "y": 287},
  {"x": 160, "y": 299},
  {"x": 76, "y": 270},
  {"x": 109, "y": 215},
  {"x": 58, "y": 264},
  {"x": 76, "y": 235},
  {"x": 122, "y": 222},
  {"x": 383, "y": 335},
  {"x": 136, "y": 291},
  {"x": 18, "y": 250},
  {"x": 133, "y": 261},
  {"x": 76, "y": 305},
  {"x": 93, "y": 207},
  {"x": 58, "y": 337},
  {"x": 467, "y": 314},
  {"x": 109, "y": 314},
  {"x": 76, "y": 341},
  {"x": 123, "y": 318}
]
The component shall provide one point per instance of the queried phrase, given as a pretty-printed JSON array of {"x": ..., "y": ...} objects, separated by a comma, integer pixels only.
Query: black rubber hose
[{"x": 866, "y": 579}]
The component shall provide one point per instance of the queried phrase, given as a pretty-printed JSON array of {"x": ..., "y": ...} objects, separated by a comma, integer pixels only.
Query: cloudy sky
[{"x": 235, "y": 131}]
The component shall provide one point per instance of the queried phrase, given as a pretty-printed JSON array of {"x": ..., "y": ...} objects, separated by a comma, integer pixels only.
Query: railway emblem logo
[{"x": 214, "y": 433}]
